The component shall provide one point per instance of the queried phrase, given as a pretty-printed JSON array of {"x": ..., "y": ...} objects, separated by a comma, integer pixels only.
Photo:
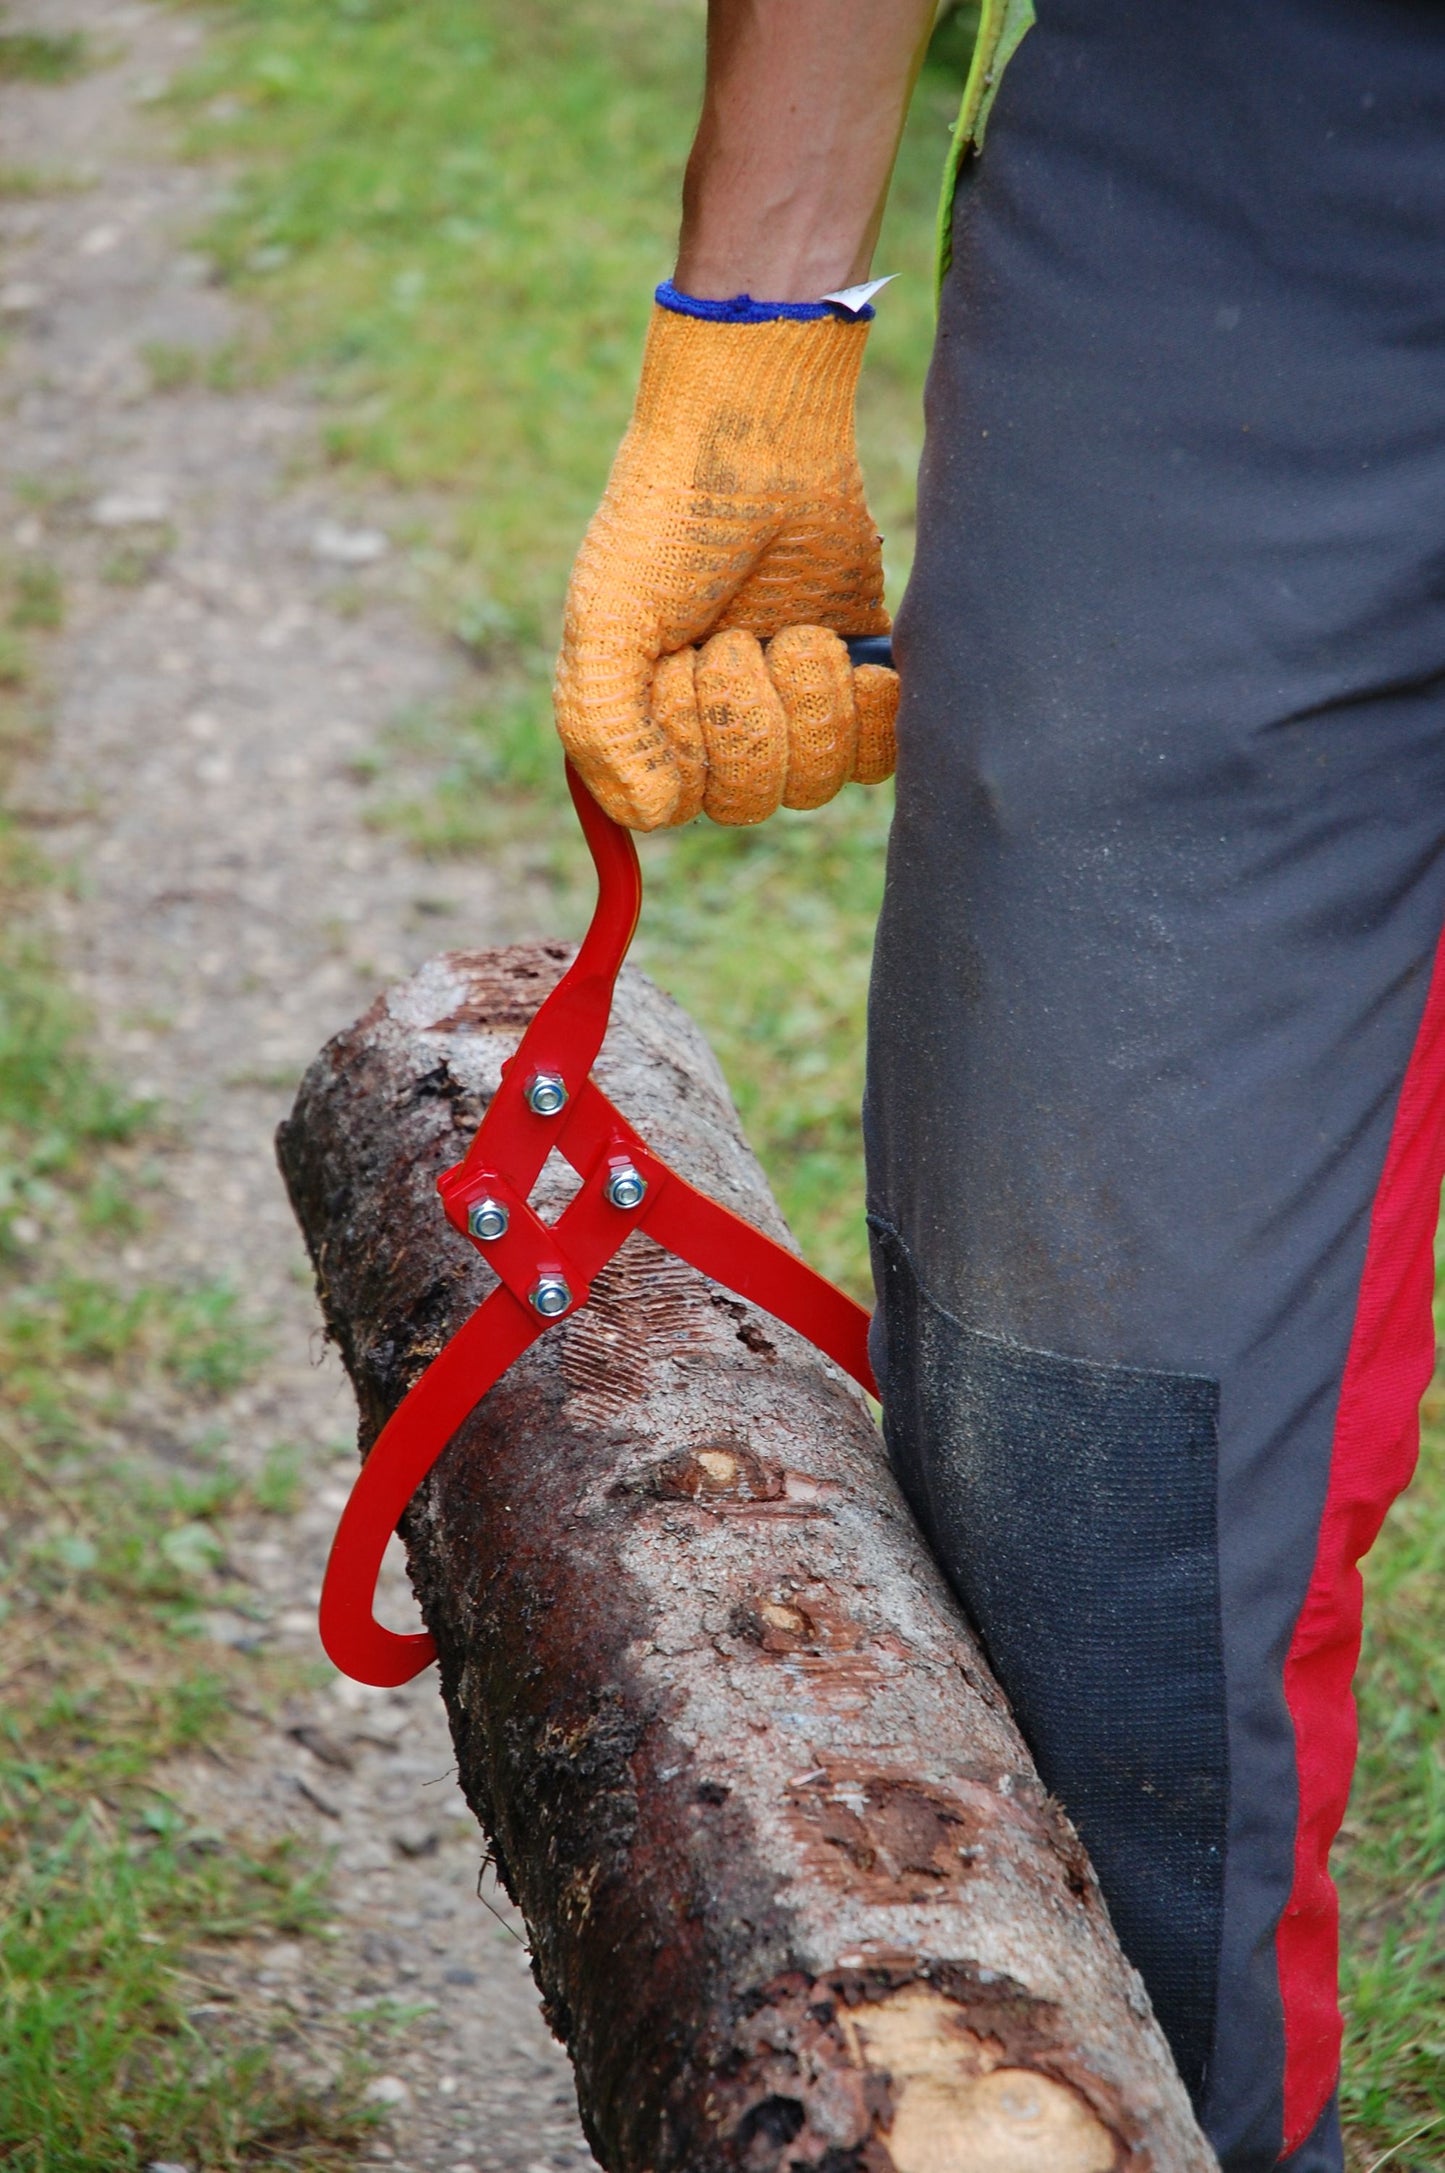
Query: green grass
[
  {"x": 454, "y": 212},
  {"x": 56, "y": 1327},
  {"x": 55, "y": 1112},
  {"x": 130, "y": 565},
  {"x": 177, "y": 368},
  {"x": 38, "y": 56},
  {"x": 37, "y": 598},
  {"x": 19, "y": 183},
  {"x": 115, "y": 1910},
  {"x": 110, "y": 1901},
  {"x": 173, "y": 368},
  {"x": 1391, "y": 1861},
  {"x": 14, "y": 661},
  {"x": 104, "y": 2064}
]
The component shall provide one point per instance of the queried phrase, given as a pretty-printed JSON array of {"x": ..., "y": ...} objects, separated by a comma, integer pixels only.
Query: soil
[{"x": 239, "y": 635}]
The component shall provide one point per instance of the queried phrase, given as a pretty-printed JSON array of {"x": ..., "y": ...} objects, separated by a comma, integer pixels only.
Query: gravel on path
[{"x": 235, "y": 643}]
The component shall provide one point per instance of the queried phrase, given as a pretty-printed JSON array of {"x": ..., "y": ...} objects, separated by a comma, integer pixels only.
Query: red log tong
[{"x": 548, "y": 1100}]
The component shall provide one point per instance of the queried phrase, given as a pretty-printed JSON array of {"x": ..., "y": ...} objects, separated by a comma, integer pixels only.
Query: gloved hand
[{"x": 734, "y": 516}]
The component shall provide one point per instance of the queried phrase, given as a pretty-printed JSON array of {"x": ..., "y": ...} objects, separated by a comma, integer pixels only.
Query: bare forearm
[{"x": 804, "y": 106}]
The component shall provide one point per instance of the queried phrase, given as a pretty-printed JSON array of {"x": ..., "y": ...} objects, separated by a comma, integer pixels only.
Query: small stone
[
  {"x": 364, "y": 1857},
  {"x": 387, "y": 2090},
  {"x": 19, "y": 296},
  {"x": 354, "y": 1697},
  {"x": 338, "y": 546},
  {"x": 142, "y": 507},
  {"x": 322, "y": 1746},
  {"x": 413, "y": 1838},
  {"x": 232, "y": 1630},
  {"x": 99, "y": 240},
  {"x": 315, "y": 1796},
  {"x": 167, "y": 2165}
]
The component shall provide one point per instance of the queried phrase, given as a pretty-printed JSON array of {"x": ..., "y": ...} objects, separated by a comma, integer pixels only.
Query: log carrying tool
[{"x": 547, "y": 1101}]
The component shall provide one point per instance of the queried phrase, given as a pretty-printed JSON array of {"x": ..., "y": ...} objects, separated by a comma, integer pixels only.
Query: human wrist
[
  {"x": 771, "y": 207},
  {"x": 787, "y": 275}
]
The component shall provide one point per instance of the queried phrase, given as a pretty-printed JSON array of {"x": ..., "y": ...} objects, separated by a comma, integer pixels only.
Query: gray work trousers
[{"x": 1156, "y": 1100}]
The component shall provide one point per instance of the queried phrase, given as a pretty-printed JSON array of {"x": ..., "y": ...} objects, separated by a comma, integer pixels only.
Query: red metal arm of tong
[{"x": 547, "y": 1099}]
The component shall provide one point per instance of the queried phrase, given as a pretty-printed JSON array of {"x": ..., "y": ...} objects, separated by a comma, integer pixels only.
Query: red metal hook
[{"x": 548, "y": 1100}]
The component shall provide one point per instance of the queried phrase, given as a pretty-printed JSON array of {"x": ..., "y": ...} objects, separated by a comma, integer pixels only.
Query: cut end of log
[
  {"x": 955, "y": 2108},
  {"x": 877, "y": 2069}
]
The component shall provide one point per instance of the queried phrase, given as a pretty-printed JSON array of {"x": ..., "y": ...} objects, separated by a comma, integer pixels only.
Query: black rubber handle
[{"x": 871, "y": 649}]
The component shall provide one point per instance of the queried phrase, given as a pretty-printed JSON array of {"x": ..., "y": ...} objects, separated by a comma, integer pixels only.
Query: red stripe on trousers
[{"x": 1376, "y": 1441}]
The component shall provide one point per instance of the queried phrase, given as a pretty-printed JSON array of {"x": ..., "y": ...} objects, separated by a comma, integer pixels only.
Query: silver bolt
[
  {"x": 487, "y": 1221},
  {"x": 551, "y": 1297},
  {"x": 546, "y": 1093},
  {"x": 626, "y": 1187}
]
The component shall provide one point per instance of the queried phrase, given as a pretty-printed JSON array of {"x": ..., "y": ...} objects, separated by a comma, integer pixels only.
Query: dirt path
[{"x": 217, "y": 687}]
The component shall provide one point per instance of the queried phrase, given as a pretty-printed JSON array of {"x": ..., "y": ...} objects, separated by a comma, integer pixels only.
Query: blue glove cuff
[{"x": 742, "y": 309}]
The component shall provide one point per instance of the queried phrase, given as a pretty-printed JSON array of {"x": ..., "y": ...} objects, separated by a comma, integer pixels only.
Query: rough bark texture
[{"x": 796, "y": 1896}]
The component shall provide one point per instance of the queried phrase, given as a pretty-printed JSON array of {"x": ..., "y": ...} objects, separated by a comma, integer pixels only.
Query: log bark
[{"x": 796, "y": 1896}]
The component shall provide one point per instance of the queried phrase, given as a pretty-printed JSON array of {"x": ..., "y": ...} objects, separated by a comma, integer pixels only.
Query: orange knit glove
[{"x": 734, "y": 516}]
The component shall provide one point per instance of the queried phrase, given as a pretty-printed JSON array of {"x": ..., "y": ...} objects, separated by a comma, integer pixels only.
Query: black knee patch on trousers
[{"x": 1095, "y": 1589}]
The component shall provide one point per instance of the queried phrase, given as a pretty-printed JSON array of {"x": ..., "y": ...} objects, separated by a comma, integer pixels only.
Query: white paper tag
[{"x": 854, "y": 299}]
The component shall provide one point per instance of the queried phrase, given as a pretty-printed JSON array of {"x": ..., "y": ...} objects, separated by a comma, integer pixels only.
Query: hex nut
[
  {"x": 550, "y": 1297},
  {"x": 626, "y": 1187},
  {"x": 487, "y": 1221},
  {"x": 546, "y": 1093}
]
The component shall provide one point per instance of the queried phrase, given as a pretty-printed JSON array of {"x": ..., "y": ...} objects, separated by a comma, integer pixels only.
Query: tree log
[{"x": 796, "y": 1896}]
